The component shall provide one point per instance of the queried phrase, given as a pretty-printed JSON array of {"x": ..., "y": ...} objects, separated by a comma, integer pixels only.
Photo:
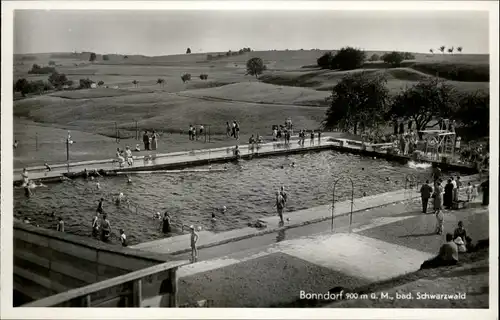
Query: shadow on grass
[
  {"x": 418, "y": 235},
  {"x": 466, "y": 258}
]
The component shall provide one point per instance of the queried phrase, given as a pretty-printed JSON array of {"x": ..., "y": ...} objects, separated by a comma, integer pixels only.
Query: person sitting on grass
[
  {"x": 460, "y": 232},
  {"x": 447, "y": 256}
]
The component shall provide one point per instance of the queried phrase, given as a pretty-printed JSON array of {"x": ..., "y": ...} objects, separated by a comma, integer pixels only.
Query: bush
[
  {"x": 456, "y": 72},
  {"x": 394, "y": 58},
  {"x": 375, "y": 57},
  {"x": 209, "y": 57},
  {"x": 203, "y": 76},
  {"x": 58, "y": 80},
  {"x": 100, "y": 83},
  {"x": 409, "y": 56},
  {"x": 93, "y": 57},
  {"x": 52, "y": 63},
  {"x": 325, "y": 61},
  {"x": 105, "y": 57},
  {"x": 186, "y": 77},
  {"x": 24, "y": 86},
  {"x": 348, "y": 58},
  {"x": 36, "y": 69},
  {"x": 85, "y": 83}
]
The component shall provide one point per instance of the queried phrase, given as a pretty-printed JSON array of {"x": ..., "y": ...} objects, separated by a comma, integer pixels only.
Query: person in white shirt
[
  {"x": 128, "y": 154},
  {"x": 455, "y": 189},
  {"x": 123, "y": 238}
]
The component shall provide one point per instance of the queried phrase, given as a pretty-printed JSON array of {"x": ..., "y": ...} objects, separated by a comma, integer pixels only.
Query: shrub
[
  {"x": 100, "y": 83},
  {"x": 203, "y": 76},
  {"x": 105, "y": 57},
  {"x": 36, "y": 69},
  {"x": 24, "y": 86},
  {"x": 125, "y": 57},
  {"x": 209, "y": 57},
  {"x": 186, "y": 77},
  {"x": 93, "y": 57},
  {"x": 52, "y": 63},
  {"x": 85, "y": 83},
  {"x": 348, "y": 58},
  {"x": 228, "y": 53},
  {"x": 409, "y": 56},
  {"x": 375, "y": 57},
  {"x": 188, "y": 51},
  {"x": 394, "y": 58},
  {"x": 325, "y": 61},
  {"x": 58, "y": 80},
  {"x": 456, "y": 72}
]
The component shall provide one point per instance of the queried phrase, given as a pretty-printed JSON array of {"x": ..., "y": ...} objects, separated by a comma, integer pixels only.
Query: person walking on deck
[
  {"x": 194, "y": 240},
  {"x": 425, "y": 193},
  {"x": 319, "y": 137},
  {"x": 280, "y": 206}
]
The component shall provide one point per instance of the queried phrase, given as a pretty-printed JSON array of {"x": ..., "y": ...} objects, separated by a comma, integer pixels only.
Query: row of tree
[
  {"x": 349, "y": 58},
  {"x": 362, "y": 101},
  {"x": 228, "y": 54},
  {"x": 450, "y": 50}
]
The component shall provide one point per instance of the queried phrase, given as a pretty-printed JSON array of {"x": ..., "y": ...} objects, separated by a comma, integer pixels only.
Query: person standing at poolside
[
  {"x": 166, "y": 223},
  {"x": 228, "y": 129},
  {"x": 154, "y": 140},
  {"x": 319, "y": 136},
  {"x": 280, "y": 205},
  {"x": 312, "y": 138},
  {"x": 485, "y": 188},
  {"x": 438, "y": 203},
  {"x": 425, "y": 193},
  {"x": 194, "y": 240},
  {"x": 145, "y": 140},
  {"x": 128, "y": 155},
  {"x": 237, "y": 130}
]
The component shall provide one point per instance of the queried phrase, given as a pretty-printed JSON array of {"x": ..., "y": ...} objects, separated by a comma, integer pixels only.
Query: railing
[{"x": 155, "y": 286}]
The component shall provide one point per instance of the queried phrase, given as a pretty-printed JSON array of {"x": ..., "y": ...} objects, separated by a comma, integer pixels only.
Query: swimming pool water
[{"x": 247, "y": 189}]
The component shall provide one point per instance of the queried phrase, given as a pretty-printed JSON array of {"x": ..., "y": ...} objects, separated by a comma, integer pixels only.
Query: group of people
[
  {"x": 150, "y": 140},
  {"x": 233, "y": 129},
  {"x": 124, "y": 156},
  {"x": 458, "y": 242},
  {"x": 101, "y": 225},
  {"x": 194, "y": 134}
]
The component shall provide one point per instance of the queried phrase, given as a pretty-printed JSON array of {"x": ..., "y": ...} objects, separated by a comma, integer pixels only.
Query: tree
[
  {"x": 394, "y": 58},
  {"x": 375, "y": 57},
  {"x": 22, "y": 85},
  {"x": 58, "y": 80},
  {"x": 93, "y": 57},
  {"x": 186, "y": 77},
  {"x": 473, "y": 113},
  {"x": 105, "y": 57},
  {"x": 100, "y": 83},
  {"x": 325, "y": 61},
  {"x": 348, "y": 58},
  {"x": 203, "y": 76},
  {"x": 442, "y": 49},
  {"x": 160, "y": 81},
  {"x": 459, "y": 49},
  {"x": 228, "y": 53},
  {"x": 255, "y": 67},
  {"x": 86, "y": 83},
  {"x": 135, "y": 83},
  {"x": 358, "y": 99},
  {"x": 209, "y": 57},
  {"x": 52, "y": 63},
  {"x": 188, "y": 51},
  {"x": 125, "y": 57},
  {"x": 450, "y": 50},
  {"x": 421, "y": 103},
  {"x": 431, "y": 51},
  {"x": 409, "y": 56}
]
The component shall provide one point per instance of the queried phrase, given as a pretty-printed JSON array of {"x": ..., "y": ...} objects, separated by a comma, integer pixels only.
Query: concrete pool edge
[
  {"x": 407, "y": 195},
  {"x": 199, "y": 157}
]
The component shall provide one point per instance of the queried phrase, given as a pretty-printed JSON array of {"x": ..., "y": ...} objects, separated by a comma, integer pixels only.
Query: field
[{"x": 291, "y": 87}]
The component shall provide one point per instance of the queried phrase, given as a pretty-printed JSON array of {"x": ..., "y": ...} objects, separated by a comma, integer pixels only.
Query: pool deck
[
  {"x": 179, "y": 160},
  {"x": 176, "y": 160},
  {"x": 181, "y": 244}
]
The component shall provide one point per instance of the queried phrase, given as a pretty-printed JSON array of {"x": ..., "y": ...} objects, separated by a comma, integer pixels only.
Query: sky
[{"x": 171, "y": 32}]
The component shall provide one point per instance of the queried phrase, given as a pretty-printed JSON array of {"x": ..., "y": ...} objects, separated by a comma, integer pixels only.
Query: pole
[
  {"x": 67, "y": 152},
  {"x": 136, "y": 131},
  {"x": 116, "y": 132},
  {"x": 36, "y": 140}
]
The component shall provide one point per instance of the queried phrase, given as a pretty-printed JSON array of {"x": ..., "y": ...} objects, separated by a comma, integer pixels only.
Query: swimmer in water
[
  {"x": 91, "y": 177},
  {"x": 223, "y": 209},
  {"x": 129, "y": 180},
  {"x": 213, "y": 217},
  {"x": 362, "y": 169},
  {"x": 119, "y": 198},
  {"x": 98, "y": 186},
  {"x": 47, "y": 166}
]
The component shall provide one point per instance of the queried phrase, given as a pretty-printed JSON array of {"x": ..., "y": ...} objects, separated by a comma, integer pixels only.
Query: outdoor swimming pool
[{"x": 247, "y": 190}]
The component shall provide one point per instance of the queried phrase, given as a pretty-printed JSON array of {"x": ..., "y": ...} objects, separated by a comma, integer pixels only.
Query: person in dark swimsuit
[
  {"x": 166, "y": 223},
  {"x": 99, "y": 206}
]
